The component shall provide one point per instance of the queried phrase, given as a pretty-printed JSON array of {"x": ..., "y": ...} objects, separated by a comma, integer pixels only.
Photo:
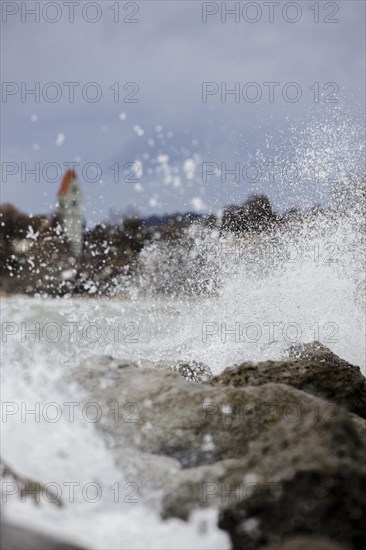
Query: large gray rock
[
  {"x": 311, "y": 368},
  {"x": 195, "y": 423},
  {"x": 276, "y": 460},
  {"x": 308, "y": 476}
]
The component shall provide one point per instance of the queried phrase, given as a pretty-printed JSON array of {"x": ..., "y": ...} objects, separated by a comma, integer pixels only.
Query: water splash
[{"x": 212, "y": 297}]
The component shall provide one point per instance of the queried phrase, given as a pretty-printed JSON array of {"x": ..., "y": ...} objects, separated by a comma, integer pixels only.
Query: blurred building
[{"x": 70, "y": 211}]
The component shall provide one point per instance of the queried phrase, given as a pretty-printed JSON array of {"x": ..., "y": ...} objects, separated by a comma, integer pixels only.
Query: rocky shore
[{"x": 277, "y": 447}]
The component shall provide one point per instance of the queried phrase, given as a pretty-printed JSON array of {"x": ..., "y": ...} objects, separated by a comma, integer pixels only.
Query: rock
[
  {"x": 276, "y": 461},
  {"x": 153, "y": 474},
  {"x": 19, "y": 538},
  {"x": 307, "y": 543},
  {"x": 202, "y": 487},
  {"x": 316, "y": 351},
  {"x": 332, "y": 379},
  {"x": 23, "y": 487},
  {"x": 107, "y": 366},
  {"x": 158, "y": 412},
  {"x": 251, "y": 525},
  {"x": 193, "y": 371},
  {"x": 100, "y": 367},
  {"x": 298, "y": 477},
  {"x": 311, "y": 486}
]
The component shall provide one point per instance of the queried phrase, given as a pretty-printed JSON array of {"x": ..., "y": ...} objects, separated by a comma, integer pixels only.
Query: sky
[{"x": 138, "y": 95}]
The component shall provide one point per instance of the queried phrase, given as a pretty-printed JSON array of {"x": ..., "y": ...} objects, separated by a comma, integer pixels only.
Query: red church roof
[{"x": 69, "y": 176}]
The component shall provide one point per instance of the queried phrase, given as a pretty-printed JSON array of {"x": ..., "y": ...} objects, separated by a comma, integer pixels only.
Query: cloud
[{"x": 162, "y": 61}]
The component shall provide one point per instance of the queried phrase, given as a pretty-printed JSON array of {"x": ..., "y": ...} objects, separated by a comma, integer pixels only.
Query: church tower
[{"x": 70, "y": 211}]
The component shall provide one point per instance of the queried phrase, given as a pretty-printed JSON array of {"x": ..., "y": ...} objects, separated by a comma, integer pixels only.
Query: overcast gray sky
[{"x": 169, "y": 131}]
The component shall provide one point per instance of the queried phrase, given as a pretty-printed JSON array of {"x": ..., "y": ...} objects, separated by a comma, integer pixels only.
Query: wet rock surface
[
  {"x": 302, "y": 478},
  {"x": 316, "y": 351},
  {"x": 160, "y": 413},
  {"x": 312, "y": 368},
  {"x": 278, "y": 461},
  {"x": 193, "y": 371},
  {"x": 108, "y": 366}
]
